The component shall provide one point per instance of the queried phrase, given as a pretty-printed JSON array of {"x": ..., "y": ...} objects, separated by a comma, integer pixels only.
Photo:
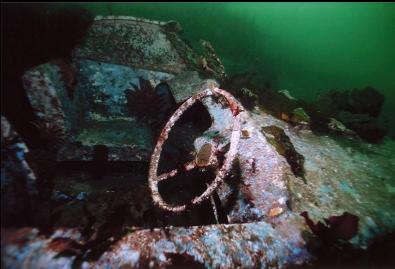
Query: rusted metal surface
[
  {"x": 252, "y": 245},
  {"x": 133, "y": 42},
  {"x": 153, "y": 178},
  {"x": 264, "y": 177},
  {"x": 96, "y": 114},
  {"x": 211, "y": 63},
  {"x": 24, "y": 248},
  {"x": 85, "y": 99},
  {"x": 274, "y": 242},
  {"x": 189, "y": 83},
  {"x": 262, "y": 198},
  {"x": 43, "y": 85},
  {"x": 342, "y": 176},
  {"x": 260, "y": 191}
]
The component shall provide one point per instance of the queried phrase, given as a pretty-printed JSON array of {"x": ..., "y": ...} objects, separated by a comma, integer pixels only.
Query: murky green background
[{"x": 305, "y": 48}]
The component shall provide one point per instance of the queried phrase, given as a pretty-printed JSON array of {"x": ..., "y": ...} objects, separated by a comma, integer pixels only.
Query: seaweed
[{"x": 334, "y": 228}]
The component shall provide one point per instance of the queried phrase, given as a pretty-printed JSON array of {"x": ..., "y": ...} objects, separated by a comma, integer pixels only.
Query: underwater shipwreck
[{"x": 145, "y": 153}]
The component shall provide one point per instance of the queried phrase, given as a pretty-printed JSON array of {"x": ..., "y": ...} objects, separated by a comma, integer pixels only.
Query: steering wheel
[{"x": 208, "y": 150}]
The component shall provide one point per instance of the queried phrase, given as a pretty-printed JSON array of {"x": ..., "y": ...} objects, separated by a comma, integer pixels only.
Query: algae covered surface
[{"x": 198, "y": 135}]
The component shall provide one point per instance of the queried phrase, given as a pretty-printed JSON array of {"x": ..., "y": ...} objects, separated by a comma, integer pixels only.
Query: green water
[{"x": 305, "y": 48}]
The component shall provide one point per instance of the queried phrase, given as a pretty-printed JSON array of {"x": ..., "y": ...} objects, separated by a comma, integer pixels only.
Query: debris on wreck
[
  {"x": 247, "y": 97},
  {"x": 285, "y": 107},
  {"x": 188, "y": 83},
  {"x": 235, "y": 82},
  {"x": 366, "y": 126},
  {"x": 364, "y": 101},
  {"x": 173, "y": 26},
  {"x": 210, "y": 63},
  {"x": 243, "y": 88},
  {"x": 205, "y": 67},
  {"x": 287, "y": 94},
  {"x": 338, "y": 127},
  {"x": 278, "y": 103},
  {"x": 300, "y": 116},
  {"x": 357, "y": 110},
  {"x": 296, "y": 117}
]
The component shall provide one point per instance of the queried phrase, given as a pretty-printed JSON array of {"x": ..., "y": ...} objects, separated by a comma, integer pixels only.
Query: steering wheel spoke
[
  {"x": 167, "y": 175},
  {"x": 184, "y": 168},
  {"x": 189, "y": 166}
]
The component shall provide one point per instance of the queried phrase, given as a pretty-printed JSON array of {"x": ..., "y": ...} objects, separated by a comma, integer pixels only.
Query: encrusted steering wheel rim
[{"x": 154, "y": 179}]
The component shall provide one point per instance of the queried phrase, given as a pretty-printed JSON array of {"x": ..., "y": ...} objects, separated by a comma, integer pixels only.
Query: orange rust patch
[
  {"x": 275, "y": 211},
  {"x": 245, "y": 134},
  {"x": 16, "y": 236},
  {"x": 285, "y": 117},
  {"x": 60, "y": 244}
]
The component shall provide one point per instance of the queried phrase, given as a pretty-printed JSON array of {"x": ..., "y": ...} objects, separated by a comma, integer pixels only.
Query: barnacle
[{"x": 50, "y": 134}]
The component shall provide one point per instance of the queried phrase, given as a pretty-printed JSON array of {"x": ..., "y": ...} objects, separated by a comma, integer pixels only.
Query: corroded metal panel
[
  {"x": 252, "y": 245},
  {"x": 138, "y": 43}
]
